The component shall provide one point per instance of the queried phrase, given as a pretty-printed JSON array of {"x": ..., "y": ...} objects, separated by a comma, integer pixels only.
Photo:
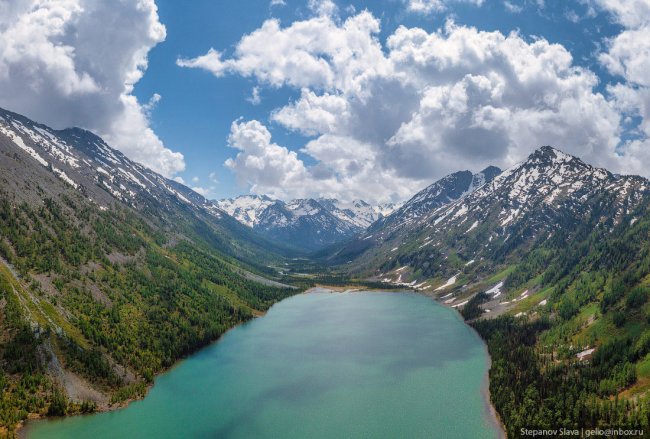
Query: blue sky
[
  {"x": 353, "y": 99},
  {"x": 197, "y": 109}
]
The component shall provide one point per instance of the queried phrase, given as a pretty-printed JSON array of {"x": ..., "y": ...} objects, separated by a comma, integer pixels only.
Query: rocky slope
[{"x": 440, "y": 193}]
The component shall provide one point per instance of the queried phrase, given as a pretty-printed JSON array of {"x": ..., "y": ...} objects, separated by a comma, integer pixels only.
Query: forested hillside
[
  {"x": 581, "y": 359},
  {"x": 103, "y": 283}
]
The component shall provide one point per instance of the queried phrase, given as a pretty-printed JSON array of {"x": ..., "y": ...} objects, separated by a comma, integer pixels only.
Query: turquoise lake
[{"x": 317, "y": 365}]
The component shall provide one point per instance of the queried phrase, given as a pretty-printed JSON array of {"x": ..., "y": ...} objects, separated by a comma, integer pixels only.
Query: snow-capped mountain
[
  {"x": 548, "y": 188},
  {"x": 440, "y": 193},
  {"x": 85, "y": 162},
  {"x": 552, "y": 195},
  {"x": 247, "y": 209},
  {"x": 75, "y": 159},
  {"x": 357, "y": 212},
  {"x": 307, "y": 223}
]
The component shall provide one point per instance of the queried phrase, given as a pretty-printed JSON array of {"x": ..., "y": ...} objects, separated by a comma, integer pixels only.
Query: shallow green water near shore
[{"x": 318, "y": 365}]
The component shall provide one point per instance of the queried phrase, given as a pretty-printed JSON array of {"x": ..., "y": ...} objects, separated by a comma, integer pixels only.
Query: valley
[{"x": 111, "y": 273}]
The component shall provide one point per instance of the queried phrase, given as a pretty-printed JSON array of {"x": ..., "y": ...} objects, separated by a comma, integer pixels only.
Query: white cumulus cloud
[
  {"x": 630, "y": 13},
  {"x": 628, "y": 57},
  {"x": 429, "y": 6},
  {"x": 346, "y": 167},
  {"x": 313, "y": 53},
  {"x": 386, "y": 117},
  {"x": 265, "y": 166},
  {"x": 75, "y": 62},
  {"x": 323, "y": 7}
]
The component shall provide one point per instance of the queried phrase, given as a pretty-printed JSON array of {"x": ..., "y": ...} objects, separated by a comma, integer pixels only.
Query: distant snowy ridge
[
  {"x": 249, "y": 209},
  {"x": 312, "y": 223}
]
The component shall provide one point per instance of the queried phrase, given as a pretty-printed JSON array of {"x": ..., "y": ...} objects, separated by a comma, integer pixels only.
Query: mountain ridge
[
  {"x": 444, "y": 191},
  {"x": 548, "y": 186},
  {"x": 311, "y": 223},
  {"x": 104, "y": 176}
]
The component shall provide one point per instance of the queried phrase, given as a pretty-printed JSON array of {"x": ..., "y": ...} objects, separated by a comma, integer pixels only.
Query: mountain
[
  {"x": 307, "y": 223},
  {"x": 247, "y": 209},
  {"x": 110, "y": 272},
  {"x": 358, "y": 212},
  {"x": 399, "y": 218},
  {"x": 105, "y": 177},
  {"x": 443, "y": 191},
  {"x": 550, "y": 262},
  {"x": 513, "y": 211}
]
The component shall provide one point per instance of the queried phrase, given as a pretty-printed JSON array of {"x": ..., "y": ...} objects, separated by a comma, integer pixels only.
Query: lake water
[{"x": 317, "y": 365}]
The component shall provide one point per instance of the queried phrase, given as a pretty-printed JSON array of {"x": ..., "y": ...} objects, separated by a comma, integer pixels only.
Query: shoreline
[
  {"x": 22, "y": 427},
  {"x": 489, "y": 408},
  {"x": 493, "y": 415},
  {"x": 353, "y": 289},
  {"x": 491, "y": 411}
]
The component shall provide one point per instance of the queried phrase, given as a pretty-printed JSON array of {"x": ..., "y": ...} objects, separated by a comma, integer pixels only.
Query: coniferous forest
[
  {"x": 598, "y": 299},
  {"x": 106, "y": 294}
]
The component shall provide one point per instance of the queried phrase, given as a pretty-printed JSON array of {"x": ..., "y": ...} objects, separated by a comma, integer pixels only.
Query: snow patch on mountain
[
  {"x": 84, "y": 161},
  {"x": 246, "y": 208},
  {"x": 252, "y": 210},
  {"x": 450, "y": 282}
]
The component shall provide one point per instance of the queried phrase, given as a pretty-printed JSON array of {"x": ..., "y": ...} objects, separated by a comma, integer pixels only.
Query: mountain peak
[
  {"x": 360, "y": 203},
  {"x": 550, "y": 179},
  {"x": 444, "y": 191},
  {"x": 547, "y": 152},
  {"x": 547, "y": 149},
  {"x": 490, "y": 172}
]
